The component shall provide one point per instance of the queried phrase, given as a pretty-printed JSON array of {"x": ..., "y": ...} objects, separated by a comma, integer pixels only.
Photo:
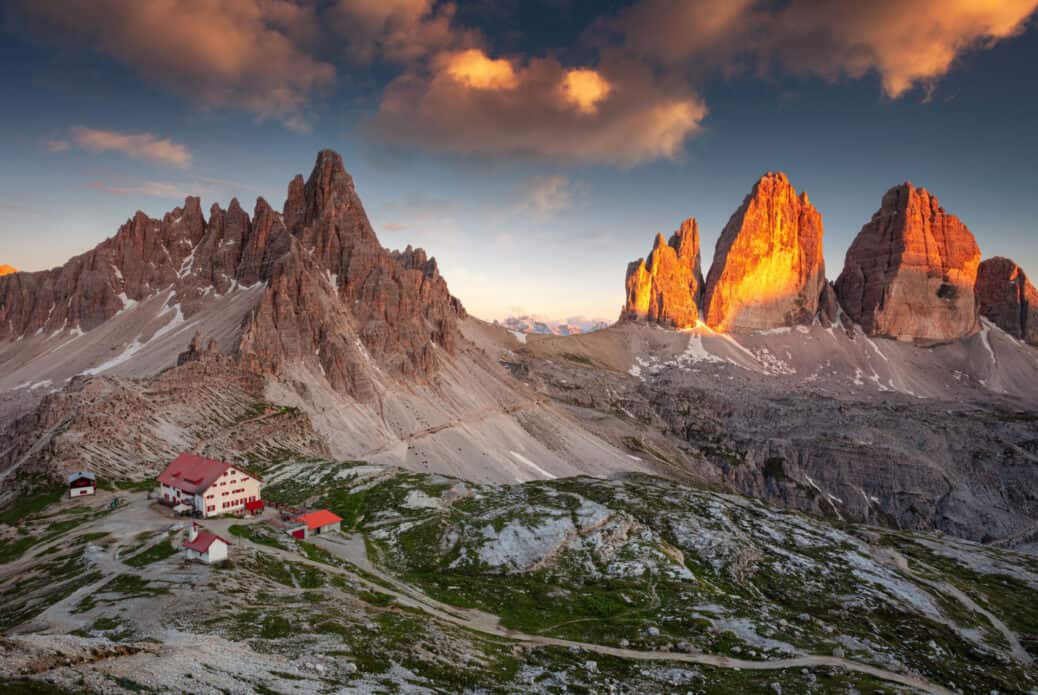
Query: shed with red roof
[
  {"x": 317, "y": 523},
  {"x": 208, "y": 486},
  {"x": 205, "y": 546}
]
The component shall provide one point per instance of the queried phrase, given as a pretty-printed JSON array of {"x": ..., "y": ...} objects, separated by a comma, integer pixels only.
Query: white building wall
[
  {"x": 217, "y": 552},
  {"x": 229, "y": 493}
]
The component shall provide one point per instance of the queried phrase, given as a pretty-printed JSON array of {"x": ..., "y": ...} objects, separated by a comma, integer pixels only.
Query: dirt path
[
  {"x": 350, "y": 549},
  {"x": 893, "y": 558}
]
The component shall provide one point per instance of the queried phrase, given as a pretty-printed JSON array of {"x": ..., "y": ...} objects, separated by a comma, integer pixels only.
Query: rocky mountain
[
  {"x": 1008, "y": 299},
  {"x": 666, "y": 286},
  {"x": 7, "y": 269},
  {"x": 321, "y": 248},
  {"x": 910, "y": 272},
  {"x": 367, "y": 344},
  {"x": 768, "y": 270}
]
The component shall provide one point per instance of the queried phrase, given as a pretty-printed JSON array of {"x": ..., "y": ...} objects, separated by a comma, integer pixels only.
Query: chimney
[{"x": 193, "y": 533}]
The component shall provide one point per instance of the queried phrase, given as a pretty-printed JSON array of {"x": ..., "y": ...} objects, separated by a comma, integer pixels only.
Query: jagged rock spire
[
  {"x": 768, "y": 270},
  {"x": 665, "y": 287}
]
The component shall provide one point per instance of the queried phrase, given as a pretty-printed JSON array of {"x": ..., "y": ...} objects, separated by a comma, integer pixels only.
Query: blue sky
[{"x": 463, "y": 135}]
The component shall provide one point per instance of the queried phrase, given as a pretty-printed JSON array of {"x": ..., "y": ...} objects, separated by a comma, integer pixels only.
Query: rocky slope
[
  {"x": 666, "y": 286},
  {"x": 910, "y": 272},
  {"x": 827, "y": 421},
  {"x": 768, "y": 270},
  {"x": 635, "y": 584},
  {"x": 1007, "y": 298}
]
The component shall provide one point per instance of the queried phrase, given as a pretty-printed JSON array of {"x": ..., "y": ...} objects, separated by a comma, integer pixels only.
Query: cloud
[
  {"x": 159, "y": 189},
  {"x": 908, "y": 43},
  {"x": 547, "y": 195},
  {"x": 396, "y": 31},
  {"x": 135, "y": 145},
  {"x": 473, "y": 69},
  {"x": 57, "y": 145},
  {"x": 218, "y": 53},
  {"x": 393, "y": 226},
  {"x": 526, "y": 110},
  {"x": 584, "y": 89}
]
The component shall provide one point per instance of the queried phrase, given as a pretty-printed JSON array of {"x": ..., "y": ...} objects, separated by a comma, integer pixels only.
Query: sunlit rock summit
[
  {"x": 768, "y": 270},
  {"x": 911, "y": 271},
  {"x": 666, "y": 286}
]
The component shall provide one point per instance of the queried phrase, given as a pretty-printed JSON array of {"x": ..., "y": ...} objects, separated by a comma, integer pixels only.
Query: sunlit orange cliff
[{"x": 767, "y": 271}]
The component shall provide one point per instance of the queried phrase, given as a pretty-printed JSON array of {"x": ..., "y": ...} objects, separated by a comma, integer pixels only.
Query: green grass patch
[
  {"x": 146, "y": 485},
  {"x": 155, "y": 553},
  {"x": 254, "y": 532},
  {"x": 26, "y": 505}
]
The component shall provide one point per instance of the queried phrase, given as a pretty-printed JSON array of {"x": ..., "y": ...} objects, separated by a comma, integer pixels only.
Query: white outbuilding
[{"x": 205, "y": 546}]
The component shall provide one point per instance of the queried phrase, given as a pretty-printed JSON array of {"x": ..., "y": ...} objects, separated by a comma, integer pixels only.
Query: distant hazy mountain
[{"x": 575, "y": 325}]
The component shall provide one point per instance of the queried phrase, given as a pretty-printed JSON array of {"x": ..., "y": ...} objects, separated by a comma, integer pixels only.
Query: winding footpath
[{"x": 353, "y": 552}]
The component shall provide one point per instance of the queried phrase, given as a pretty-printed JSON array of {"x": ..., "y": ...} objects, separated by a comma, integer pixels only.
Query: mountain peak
[
  {"x": 7, "y": 269},
  {"x": 665, "y": 286},
  {"x": 768, "y": 269},
  {"x": 910, "y": 272},
  {"x": 1008, "y": 299}
]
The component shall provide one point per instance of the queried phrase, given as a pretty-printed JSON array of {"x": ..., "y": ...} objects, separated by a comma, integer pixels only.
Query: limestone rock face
[
  {"x": 768, "y": 270},
  {"x": 332, "y": 292},
  {"x": 911, "y": 270},
  {"x": 7, "y": 269},
  {"x": 336, "y": 294},
  {"x": 666, "y": 286},
  {"x": 1008, "y": 299}
]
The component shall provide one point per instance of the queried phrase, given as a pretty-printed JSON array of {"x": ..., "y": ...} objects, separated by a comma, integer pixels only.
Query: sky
[{"x": 534, "y": 147}]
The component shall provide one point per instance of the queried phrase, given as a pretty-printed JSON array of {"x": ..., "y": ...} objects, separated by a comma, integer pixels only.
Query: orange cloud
[
  {"x": 136, "y": 145},
  {"x": 584, "y": 89},
  {"x": 643, "y": 119},
  {"x": 906, "y": 42},
  {"x": 473, "y": 68},
  {"x": 243, "y": 53}
]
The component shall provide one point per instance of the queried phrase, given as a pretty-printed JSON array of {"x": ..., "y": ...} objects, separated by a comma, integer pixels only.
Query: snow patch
[
  {"x": 527, "y": 462},
  {"x": 521, "y": 337}
]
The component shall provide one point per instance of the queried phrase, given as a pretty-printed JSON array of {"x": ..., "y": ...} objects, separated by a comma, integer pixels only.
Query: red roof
[
  {"x": 202, "y": 541},
  {"x": 192, "y": 473},
  {"x": 322, "y": 517}
]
